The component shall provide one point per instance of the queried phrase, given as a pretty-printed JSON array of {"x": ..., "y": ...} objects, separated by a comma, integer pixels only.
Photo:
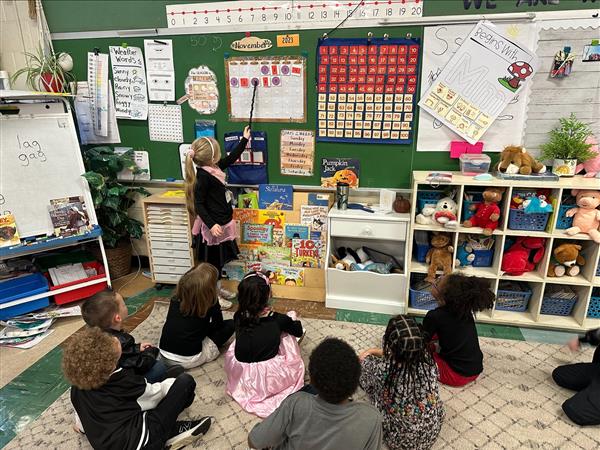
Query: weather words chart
[
  {"x": 290, "y": 14},
  {"x": 367, "y": 90}
]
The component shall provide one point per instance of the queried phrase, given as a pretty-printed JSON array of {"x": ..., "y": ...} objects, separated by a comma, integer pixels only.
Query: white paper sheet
[
  {"x": 98, "y": 88},
  {"x": 164, "y": 123},
  {"x": 183, "y": 149},
  {"x": 141, "y": 159},
  {"x": 83, "y": 111},
  {"x": 160, "y": 70},
  {"x": 129, "y": 78}
]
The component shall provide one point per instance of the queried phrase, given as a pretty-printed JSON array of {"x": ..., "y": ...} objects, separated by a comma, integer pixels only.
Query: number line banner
[{"x": 283, "y": 14}]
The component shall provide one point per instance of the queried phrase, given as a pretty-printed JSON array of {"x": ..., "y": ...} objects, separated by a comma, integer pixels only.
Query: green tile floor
[{"x": 25, "y": 398}]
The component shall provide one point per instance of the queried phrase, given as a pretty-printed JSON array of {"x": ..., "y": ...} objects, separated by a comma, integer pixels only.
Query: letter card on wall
[{"x": 367, "y": 90}]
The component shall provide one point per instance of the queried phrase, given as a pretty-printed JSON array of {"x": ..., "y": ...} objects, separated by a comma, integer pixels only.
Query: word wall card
[{"x": 367, "y": 90}]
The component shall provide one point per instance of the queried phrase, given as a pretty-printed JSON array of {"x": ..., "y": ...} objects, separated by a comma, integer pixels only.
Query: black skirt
[{"x": 217, "y": 255}]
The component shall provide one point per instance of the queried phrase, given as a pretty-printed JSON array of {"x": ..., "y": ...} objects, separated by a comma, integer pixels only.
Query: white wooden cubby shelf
[{"x": 538, "y": 280}]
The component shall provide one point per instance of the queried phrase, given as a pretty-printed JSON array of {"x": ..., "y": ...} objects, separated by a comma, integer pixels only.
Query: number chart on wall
[
  {"x": 367, "y": 90},
  {"x": 277, "y": 15},
  {"x": 280, "y": 88}
]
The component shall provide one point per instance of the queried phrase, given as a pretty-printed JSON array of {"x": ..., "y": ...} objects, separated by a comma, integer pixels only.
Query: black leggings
[{"x": 584, "y": 407}]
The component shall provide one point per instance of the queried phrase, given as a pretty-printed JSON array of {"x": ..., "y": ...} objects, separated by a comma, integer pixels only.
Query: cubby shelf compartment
[{"x": 537, "y": 279}]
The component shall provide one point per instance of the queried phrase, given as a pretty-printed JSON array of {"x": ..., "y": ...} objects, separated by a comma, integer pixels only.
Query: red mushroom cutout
[{"x": 519, "y": 70}]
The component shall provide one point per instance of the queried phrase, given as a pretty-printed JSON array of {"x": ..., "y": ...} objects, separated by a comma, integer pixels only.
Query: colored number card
[
  {"x": 482, "y": 78},
  {"x": 367, "y": 90}
]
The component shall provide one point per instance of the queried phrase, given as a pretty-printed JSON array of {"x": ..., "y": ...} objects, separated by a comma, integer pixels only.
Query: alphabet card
[{"x": 480, "y": 80}]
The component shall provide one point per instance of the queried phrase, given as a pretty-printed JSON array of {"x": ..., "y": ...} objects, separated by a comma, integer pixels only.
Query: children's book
[
  {"x": 284, "y": 275},
  {"x": 274, "y": 255},
  {"x": 248, "y": 201},
  {"x": 276, "y": 196},
  {"x": 253, "y": 233},
  {"x": 278, "y": 237},
  {"x": 271, "y": 217},
  {"x": 69, "y": 216},
  {"x": 234, "y": 270},
  {"x": 8, "y": 231},
  {"x": 340, "y": 170},
  {"x": 319, "y": 199},
  {"x": 315, "y": 235},
  {"x": 314, "y": 216},
  {"x": 242, "y": 216},
  {"x": 307, "y": 253},
  {"x": 295, "y": 231},
  {"x": 248, "y": 252}
]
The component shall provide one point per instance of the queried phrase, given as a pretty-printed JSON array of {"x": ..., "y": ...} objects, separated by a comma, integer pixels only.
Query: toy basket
[
  {"x": 512, "y": 296},
  {"x": 421, "y": 246},
  {"x": 483, "y": 258},
  {"x": 555, "y": 305},
  {"x": 519, "y": 220},
  {"x": 594, "y": 308},
  {"x": 563, "y": 222},
  {"x": 427, "y": 197},
  {"x": 466, "y": 205},
  {"x": 421, "y": 299}
]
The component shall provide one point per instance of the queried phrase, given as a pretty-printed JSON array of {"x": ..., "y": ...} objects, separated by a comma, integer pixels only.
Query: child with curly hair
[
  {"x": 329, "y": 420},
  {"x": 451, "y": 327},
  {"x": 401, "y": 381},
  {"x": 116, "y": 408},
  {"x": 194, "y": 329},
  {"x": 263, "y": 364}
]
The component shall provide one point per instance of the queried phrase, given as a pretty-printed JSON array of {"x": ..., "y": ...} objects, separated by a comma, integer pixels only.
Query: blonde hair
[
  {"x": 206, "y": 151},
  {"x": 197, "y": 290}
]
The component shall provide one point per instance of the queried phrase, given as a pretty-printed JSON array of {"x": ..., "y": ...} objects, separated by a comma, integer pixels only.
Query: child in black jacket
[
  {"x": 117, "y": 408},
  {"x": 107, "y": 311}
]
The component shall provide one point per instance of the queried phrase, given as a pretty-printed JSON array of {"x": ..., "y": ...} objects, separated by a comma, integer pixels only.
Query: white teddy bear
[{"x": 443, "y": 213}]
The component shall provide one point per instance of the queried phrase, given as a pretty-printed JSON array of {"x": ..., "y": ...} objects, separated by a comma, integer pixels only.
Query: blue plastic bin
[
  {"x": 519, "y": 220},
  {"x": 557, "y": 306},
  {"x": 512, "y": 296},
  {"x": 483, "y": 258},
  {"x": 421, "y": 299},
  {"x": 426, "y": 197},
  {"x": 466, "y": 205},
  {"x": 594, "y": 308},
  {"x": 598, "y": 270},
  {"x": 16, "y": 288},
  {"x": 563, "y": 222}
]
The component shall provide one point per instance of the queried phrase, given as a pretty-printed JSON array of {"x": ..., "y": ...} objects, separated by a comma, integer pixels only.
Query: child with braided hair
[{"x": 401, "y": 381}]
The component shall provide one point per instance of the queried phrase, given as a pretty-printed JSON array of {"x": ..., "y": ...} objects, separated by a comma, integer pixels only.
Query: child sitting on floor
[
  {"x": 401, "y": 381},
  {"x": 117, "y": 408},
  {"x": 195, "y": 329},
  {"x": 452, "y": 327},
  {"x": 329, "y": 420},
  {"x": 107, "y": 310},
  {"x": 263, "y": 364}
]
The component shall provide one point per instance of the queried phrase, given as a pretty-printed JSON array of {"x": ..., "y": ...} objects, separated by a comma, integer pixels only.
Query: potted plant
[
  {"x": 567, "y": 145},
  {"x": 47, "y": 72},
  {"x": 112, "y": 200}
]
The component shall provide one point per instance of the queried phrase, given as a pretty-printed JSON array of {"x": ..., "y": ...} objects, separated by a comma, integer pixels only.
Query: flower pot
[
  {"x": 119, "y": 260},
  {"x": 564, "y": 167},
  {"x": 51, "y": 84}
]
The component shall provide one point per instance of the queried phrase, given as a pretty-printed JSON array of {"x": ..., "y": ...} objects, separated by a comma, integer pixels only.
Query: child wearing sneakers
[
  {"x": 117, "y": 408},
  {"x": 107, "y": 310},
  {"x": 195, "y": 329},
  {"x": 451, "y": 327},
  {"x": 263, "y": 364}
]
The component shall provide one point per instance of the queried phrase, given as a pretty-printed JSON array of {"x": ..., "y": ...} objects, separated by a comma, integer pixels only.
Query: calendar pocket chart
[{"x": 366, "y": 90}]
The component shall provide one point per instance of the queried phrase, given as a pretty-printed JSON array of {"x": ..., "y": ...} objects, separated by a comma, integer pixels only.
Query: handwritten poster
[
  {"x": 440, "y": 43},
  {"x": 161, "y": 74},
  {"x": 297, "y": 152},
  {"x": 129, "y": 78},
  {"x": 480, "y": 80}
]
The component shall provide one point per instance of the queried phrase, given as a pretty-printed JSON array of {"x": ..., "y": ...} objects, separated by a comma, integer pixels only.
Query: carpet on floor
[{"x": 514, "y": 404}]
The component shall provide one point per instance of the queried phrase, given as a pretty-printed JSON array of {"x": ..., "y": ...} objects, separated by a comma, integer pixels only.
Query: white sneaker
[
  {"x": 301, "y": 338},
  {"x": 225, "y": 304},
  {"x": 226, "y": 294}
]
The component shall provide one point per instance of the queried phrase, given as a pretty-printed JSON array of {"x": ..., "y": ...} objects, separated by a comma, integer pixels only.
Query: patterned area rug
[{"x": 513, "y": 405}]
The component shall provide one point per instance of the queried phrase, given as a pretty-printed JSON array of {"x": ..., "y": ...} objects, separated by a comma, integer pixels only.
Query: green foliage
[
  {"x": 568, "y": 141},
  {"x": 111, "y": 198},
  {"x": 39, "y": 64}
]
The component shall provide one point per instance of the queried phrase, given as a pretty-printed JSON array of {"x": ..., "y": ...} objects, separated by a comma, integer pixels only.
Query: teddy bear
[
  {"x": 515, "y": 159},
  {"x": 566, "y": 260},
  {"x": 523, "y": 255},
  {"x": 586, "y": 217},
  {"x": 439, "y": 256},
  {"x": 443, "y": 213},
  {"x": 487, "y": 212}
]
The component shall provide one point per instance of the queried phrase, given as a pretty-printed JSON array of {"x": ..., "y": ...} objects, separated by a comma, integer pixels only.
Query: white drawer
[
  {"x": 173, "y": 227},
  {"x": 169, "y": 236},
  {"x": 171, "y": 269},
  {"x": 169, "y": 278},
  {"x": 171, "y": 253},
  {"x": 162, "y": 261},
  {"x": 168, "y": 245},
  {"x": 364, "y": 229},
  {"x": 366, "y": 286}
]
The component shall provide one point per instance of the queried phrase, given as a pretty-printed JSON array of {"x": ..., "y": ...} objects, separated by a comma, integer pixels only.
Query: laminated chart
[
  {"x": 280, "y": 88},
  {"x": 367, "y": 90}
]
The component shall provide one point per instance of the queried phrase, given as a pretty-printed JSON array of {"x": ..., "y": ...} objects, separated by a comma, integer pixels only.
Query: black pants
[
  {"x": 222, "y": 333},
  {"x": 584, "y": 407},
  {"x": 161, "y": 420}
]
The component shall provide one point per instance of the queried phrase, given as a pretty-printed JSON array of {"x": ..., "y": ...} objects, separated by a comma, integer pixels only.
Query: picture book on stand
[
  {"x": 69, "y": 216},
  {"x": 340, "y": 170},
  {"x": 8, "y": 231},
  {"x": 307, "y": 253},
  {"x": 276, "y": 196}
]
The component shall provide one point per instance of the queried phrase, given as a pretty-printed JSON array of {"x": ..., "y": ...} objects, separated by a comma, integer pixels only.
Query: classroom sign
[{"x": 480, "y": 80}]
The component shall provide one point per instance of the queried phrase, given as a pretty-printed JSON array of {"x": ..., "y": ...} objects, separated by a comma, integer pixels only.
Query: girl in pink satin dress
[{"x": 263, "y": 364}]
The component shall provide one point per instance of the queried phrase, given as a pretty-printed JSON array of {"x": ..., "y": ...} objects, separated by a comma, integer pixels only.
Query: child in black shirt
[{"x": 452, "y": 326}]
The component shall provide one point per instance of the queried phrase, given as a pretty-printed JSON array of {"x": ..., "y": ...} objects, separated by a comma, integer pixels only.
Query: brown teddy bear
[
  {"x": 488, "y": 212},
  {"x": 566, "y": 260},
  {"x": 515, "y": 159},
  {"x": 439, "y": 256}
]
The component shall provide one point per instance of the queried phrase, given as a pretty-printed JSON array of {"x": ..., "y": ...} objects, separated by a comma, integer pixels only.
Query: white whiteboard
[
  {"x": 40, "y": 160},
  {"x": 439, "y": 45}
]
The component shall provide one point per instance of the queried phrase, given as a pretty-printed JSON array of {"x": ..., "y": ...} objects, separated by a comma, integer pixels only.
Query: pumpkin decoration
[{"x": 401, "y": 205}]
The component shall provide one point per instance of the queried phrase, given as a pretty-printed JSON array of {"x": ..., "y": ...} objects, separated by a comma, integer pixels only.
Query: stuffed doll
[
  {"x": 523, "y": 255},
  {"x": 443, "y": 213},
  {"x": 586, "y": 217},
  {"x": 566, "y": 260},
  {"x": 439, "y": 256},
  {"x": 514, "y": 159},
  {"x": 487, "y": 212}
]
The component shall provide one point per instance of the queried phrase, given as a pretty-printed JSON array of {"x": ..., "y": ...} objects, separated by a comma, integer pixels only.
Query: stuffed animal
[
  {"x": 444, "y": 213},
  {"x": 591, "y": 166},
  {"x": 514, "y": 159},
  {"x": 352, "y": 260},
  {"x": 488, "y": 212},
  {"x": 523, "y": 255},
  {"x": 586, "y": 217},
  {"x": 566, "y": 260},
  {"x": 439, "y": 256},
  {"x": 464, "y": 255}
]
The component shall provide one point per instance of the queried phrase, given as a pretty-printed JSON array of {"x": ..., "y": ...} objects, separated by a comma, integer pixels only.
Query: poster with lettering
[
  {"x": 479, "y": 82},
  {"x": 307, "y": 253},
  {"x": 340, "y": 170},
  {"x": 129, "y": 78},
  {"x": 297, "y": 150}
]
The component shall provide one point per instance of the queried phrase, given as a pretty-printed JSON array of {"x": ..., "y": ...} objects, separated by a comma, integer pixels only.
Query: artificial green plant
[{"x": 568, "y": 141}]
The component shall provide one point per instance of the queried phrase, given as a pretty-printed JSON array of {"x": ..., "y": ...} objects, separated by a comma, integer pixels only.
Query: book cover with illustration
[
  {"x": 276, "y": 196},
  {"x": 319, "y": 199},
  {"x": 278, "y": 237},
  {"x": 307, "y": 253},
  {"x": 254, "y": 233},
  {"x": 274, "y": 255},
  {"x": 69, "y": 216},
  {"x": 248, "y": 252},
  {"x": 8, "y": 231},
  {"x": 340, "y": 170},
  {"x": 295, "y": 231},
  {"x": 314, "y": 216},
  {"x": 271, "y": 217},
  {"x": 242, "y": 216},
  {"x": 248, "y": 201},
  {"x": 234, "y": 270},
  {"x": 282, "y": 275}
]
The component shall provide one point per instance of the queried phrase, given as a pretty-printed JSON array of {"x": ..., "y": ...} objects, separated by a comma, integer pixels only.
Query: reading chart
[
  {"x": 277, "y": 15},
  {"x": 367, "y": 90}
]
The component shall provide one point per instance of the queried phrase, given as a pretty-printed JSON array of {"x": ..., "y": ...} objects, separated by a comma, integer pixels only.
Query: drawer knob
[{"x": 367, "y": 231}]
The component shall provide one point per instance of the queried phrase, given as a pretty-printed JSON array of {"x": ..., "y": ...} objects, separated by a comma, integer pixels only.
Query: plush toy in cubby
[
  {"x": 486, "y": 214},
  {"x": 566, "y": 260},
  {"x": 530, "y": 209},
  {"x": 474, "y": 250},
  {"x": 437, "y": 208},
  {"x": 586, "y": 216},
  {"x": 364, "y": 259},
  {"x": 523, "y": 255},
  {"x": 439, "y": 256}
]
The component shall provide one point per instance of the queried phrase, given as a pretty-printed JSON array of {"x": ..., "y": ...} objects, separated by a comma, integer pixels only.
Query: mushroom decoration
[{"x": 519, "y": 70}]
